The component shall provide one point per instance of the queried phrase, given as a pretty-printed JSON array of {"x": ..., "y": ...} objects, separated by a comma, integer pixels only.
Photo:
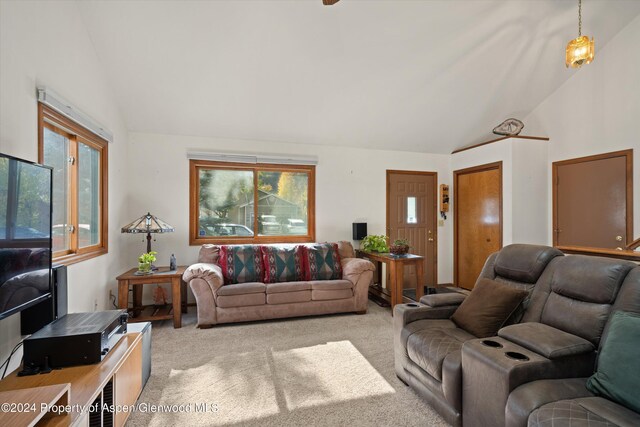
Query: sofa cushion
[
  {"x": 546, "y": 340},
  {"x": 617, "y": 375},
  {"x": 583, "y": 412},
  {"x": 242, "y": 288},
  {"x": 275, "y": 288},
  {"x": 487, "y": 307},
  {"x": 345, "y": 249},
  {"x": 321, "y": 294},
  {"x": 241, "y": 264},
  {"x": 321, "y": 262},
  {"x": 209, "y": 254},
  {"x": 330, "y": 285},
  {"x": 289, "y": 297},
  {"x": 428, "y": 348},
  {"x": 228, "y": 301},
  {"x": 281, "y": 264}
]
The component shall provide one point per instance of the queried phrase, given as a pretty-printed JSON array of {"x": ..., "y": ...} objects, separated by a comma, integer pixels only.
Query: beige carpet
[{"x": 318, "y": 371}]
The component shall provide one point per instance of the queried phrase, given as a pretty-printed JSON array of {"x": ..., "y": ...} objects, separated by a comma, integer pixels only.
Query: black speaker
[
  {"x": 36, "y": 317},
  {"x": 359, "y": 230}
]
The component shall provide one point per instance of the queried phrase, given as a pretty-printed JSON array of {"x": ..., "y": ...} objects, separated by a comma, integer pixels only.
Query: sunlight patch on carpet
[
  {"x": 241, "y": 385},
  {"x": 255, "y": 385},
  {"x": 326, "y": 373}
]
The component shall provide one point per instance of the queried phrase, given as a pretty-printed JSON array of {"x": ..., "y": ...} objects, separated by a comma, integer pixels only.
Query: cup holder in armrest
[
  {"x": 412, "y": 305},
  {"x": 491, "y": 343},
  {"x": 516, "y": 356}
]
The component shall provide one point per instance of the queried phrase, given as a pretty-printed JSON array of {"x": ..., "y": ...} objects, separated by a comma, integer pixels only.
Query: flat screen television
[{"x": 25, "y": 234}]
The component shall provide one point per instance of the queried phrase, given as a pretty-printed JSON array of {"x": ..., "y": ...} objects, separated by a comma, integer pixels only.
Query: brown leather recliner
[
  {"x": 428, "y": 345},
  {"x": 557, "y": 338},
  {"x": 565, "y": 402}
]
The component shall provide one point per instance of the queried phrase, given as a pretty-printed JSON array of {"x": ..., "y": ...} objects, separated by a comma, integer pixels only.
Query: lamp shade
[
  {"x": 580, "y": 51},
  {"x": 148, "y": 224}
]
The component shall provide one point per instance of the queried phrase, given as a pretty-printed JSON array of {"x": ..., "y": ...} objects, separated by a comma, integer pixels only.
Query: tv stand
[{"x": 117, "y": 380}]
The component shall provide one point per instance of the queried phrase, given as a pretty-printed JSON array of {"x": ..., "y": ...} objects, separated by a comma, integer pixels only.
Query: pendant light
[{"x": 581, "y": 50}]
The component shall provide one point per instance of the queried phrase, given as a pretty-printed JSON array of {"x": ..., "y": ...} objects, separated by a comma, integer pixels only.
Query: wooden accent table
[
  {"x": 117, "y": 379},
  {"x": 396, "y": 266},
  {"x": 161, "y": 276}
]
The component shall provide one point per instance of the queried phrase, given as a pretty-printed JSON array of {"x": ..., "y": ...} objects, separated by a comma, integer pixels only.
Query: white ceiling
[{"x": 427, "y": 76}]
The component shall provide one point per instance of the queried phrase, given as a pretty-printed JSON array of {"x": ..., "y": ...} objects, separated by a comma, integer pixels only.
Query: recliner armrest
[
  {"x": 404, "y": 314},
  {"x": 443, "y": 300},
  {"x": 546, "y": 340}
]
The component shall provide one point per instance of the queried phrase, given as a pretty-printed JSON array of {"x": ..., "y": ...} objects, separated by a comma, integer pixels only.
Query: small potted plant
[
  {"x": 375, "y": 243},
  {"x": 144, "y": 262},
  {"x": 399, "y": 247}
]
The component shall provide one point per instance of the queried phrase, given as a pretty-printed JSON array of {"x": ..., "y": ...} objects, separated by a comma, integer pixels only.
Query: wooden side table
[
  {"x": 396, "y": 266},
  {"x": 161, "y": 276}
]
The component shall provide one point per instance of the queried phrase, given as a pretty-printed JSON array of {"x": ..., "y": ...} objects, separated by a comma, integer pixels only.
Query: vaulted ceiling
[{"x": 427, "y": 76}]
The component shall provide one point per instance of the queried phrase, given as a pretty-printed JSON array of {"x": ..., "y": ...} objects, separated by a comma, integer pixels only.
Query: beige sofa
[{"x": 218, "y": 303}]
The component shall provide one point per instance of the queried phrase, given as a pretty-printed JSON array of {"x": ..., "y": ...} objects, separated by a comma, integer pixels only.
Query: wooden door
[
  {"x": 592, "y": 205},
  {"x": 411, "y": 215},
  {"x": 477, "y": 220}
]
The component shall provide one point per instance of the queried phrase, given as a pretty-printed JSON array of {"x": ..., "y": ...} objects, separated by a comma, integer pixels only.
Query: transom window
[
  {"x": 79, "y": 161},
  {"x": 224, "y": 197}
]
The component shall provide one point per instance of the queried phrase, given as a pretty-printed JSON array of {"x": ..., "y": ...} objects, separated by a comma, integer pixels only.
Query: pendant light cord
[{"x": 579, "y": 18}]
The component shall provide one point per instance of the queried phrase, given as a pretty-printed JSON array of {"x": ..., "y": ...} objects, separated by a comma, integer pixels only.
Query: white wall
[
  {"x": 46, "y": 43},
  {"x": 350, "y": 185},
  {"x": 597, "y": 110},
  {"x": 524, "y": 185}
]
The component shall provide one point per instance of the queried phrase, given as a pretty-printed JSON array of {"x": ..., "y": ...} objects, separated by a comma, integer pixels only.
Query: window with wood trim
[
  {"x": 593, "y": 204},
  {"x": 224, "y": 196},
  {"x": 79, "y": 160}
]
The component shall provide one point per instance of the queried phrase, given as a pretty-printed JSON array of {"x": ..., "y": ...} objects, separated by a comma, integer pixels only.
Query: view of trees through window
[
  {"x": 79, "y": 161},
  {"x": 227, "y": 197}
]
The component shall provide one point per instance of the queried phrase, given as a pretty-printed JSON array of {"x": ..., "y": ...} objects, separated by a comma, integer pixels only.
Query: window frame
[
  {"x": 194, "y": 190},
  {"x": 76, "y": 134}
]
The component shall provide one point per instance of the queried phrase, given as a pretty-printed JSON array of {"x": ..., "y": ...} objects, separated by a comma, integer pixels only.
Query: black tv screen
[{"x": 25, "y": 234}]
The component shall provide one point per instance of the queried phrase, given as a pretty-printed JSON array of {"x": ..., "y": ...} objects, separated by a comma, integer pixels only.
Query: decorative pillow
[
  {"x": 241, "y": 264},
  {"x": 487, "y": 307},
  {"x": 345, "y": 249},
  {"x": 321, "y": 261},
  {"x": 617, "y": 375},
  {"x": 281, "y": 264},
  {"x": 209, "y": 254}
]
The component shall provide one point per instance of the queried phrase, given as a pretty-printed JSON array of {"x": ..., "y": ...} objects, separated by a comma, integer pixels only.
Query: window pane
[
  {"x": 225, "y": 203},
  {"x": 282, "y": 203},
  {"x": 56, "y": 153},
  {"x": 88, "y": 196},
  {"x": 412, "y": 216}
]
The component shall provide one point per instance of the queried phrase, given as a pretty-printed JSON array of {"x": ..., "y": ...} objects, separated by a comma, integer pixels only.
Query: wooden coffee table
[{"x": 145, "y": 313}]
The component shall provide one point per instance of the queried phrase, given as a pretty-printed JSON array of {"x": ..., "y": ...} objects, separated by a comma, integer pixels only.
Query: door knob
[
  {"x": 430, "y": 239},
  {"x": 619, "y": 238}
]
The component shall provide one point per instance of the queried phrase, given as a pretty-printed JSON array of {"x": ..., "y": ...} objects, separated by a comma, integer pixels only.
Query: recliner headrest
[
  {"x": 524, "y": 263},
  {"x": 590, "y": 278}
]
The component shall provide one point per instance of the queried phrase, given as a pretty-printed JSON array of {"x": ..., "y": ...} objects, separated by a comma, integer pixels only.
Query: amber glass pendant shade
[{"x": 580, "y": 51}]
